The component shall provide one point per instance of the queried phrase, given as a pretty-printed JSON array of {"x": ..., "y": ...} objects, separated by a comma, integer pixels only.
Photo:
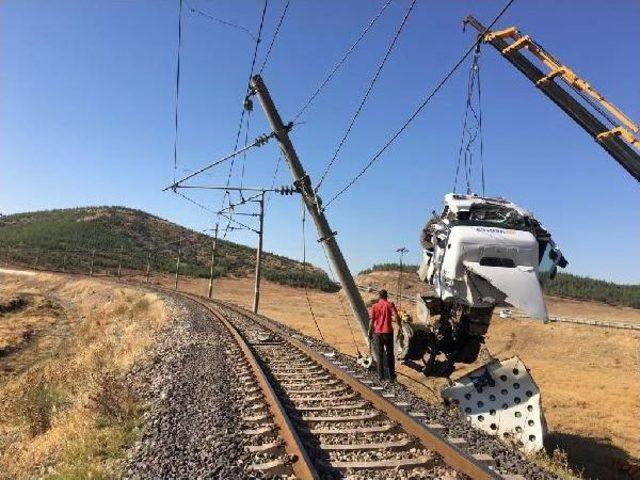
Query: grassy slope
[
  {"x": 66, "y": 409},
  {"x": 52, "y": 235},
  {"x": 564, "y": 285}
]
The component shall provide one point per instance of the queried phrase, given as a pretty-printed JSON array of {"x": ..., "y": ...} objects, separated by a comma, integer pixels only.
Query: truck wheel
[
  {"x": 403, "y": 341},
  {"x": 430, "y": 354}
]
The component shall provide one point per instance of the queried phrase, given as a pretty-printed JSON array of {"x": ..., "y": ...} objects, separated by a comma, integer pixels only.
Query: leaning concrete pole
[{"x": 314, "y": 206}]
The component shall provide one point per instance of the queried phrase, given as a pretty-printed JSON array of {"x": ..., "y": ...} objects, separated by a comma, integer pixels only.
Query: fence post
[
  {"x": 213, "y": 261},
  {"x": 35, "y": 263},
  {"x": 93, "y": 256},
  {"x": 148, "y": 265},
  {"x": 64, "y": 262},
  {"x": 120, "y": 260},
  {"x": 178, "y": 266}
]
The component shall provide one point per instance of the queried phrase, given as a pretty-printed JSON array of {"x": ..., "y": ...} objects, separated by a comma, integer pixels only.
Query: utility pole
[
  {"x": 256, "y": 297},
  {"x": 314, "y": 206},
  {"x": 178, "y": 263},
  {"x": 401, "y": 251},
  {"x": 148, "y": 265},
  {"x": 93, "y": 256},
  {"x": 213, "y": 260}
]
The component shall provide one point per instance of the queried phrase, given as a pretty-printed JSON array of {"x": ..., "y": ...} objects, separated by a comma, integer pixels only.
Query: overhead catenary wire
[
  {"x": 275, "y": 35},
  {"x": 345, "y": 315},
  {"x": 242, "y": 113},
  {"x": 304, "y": 271},
  {"x": 221, "y": 21},
  {"x": 177, "y": 93},
  {"x": 366, "y": 94},
  {"x": 419, "y": 109},
  {"x": 259, "y": 141},
  {"x": 244, "y": 155},
  {"x": 196, "y": 203},
  {"x": 342, "y": 61},
  {"x": 275, "y": 175}
]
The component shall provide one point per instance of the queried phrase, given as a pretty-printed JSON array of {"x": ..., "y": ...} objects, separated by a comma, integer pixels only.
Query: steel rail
[
  {"x": 452, "y": 455},
  {"x": 301, "y": 464}
]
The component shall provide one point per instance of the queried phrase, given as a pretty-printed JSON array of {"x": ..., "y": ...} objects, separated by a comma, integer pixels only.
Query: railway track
[{"x": 307, "y": 415}]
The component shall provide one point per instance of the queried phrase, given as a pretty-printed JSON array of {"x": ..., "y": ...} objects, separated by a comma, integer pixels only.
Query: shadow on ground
[{"x": 595, "y": 458}]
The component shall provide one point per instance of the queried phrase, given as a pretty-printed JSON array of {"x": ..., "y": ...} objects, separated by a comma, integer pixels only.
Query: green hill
[
  {"x": 55, "y": 238},
  {"x": 564, "y": 285}
]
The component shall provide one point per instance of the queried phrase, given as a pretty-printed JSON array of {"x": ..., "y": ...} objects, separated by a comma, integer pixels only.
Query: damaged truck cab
[{"x": 479, "y": 253}]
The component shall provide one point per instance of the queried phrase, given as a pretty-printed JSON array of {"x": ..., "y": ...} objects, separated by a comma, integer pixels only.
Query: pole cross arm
[{"x": 258, "y": 142}]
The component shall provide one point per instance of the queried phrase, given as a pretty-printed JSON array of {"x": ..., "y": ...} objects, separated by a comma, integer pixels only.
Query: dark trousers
[{"x": 385, "y": 360}]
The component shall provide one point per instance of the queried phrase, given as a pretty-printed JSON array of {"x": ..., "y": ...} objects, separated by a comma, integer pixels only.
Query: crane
[{"x": 600, "y": 118}]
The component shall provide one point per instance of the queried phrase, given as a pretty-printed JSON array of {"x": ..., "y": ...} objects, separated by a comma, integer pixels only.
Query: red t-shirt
[{"x": 382, "y": 314}]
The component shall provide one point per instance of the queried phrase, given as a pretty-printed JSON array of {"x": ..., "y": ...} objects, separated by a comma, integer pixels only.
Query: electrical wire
[
  {"x": 177, "y": 97},
  {"x": 342, "y": 61},
  {"x": 341, "y": 300},
  {"x": 221, "y": 21},
  {"x": 275, "y": 35},
  {"x": 244, "y": 155},
  {"x": 242, "y": 114},
  {"x": 420, "y": 107},
  {"x": 259, "y": 141},
  {"x": 366, "y": 95},
  {"x": 198, "y": 204},
  {"x": 304, "y": 270},
  {"x": 273, "y": 179}
]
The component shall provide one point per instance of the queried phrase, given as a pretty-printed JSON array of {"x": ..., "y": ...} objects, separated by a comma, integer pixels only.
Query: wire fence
[
  {"x": 188, "y": 261},
  {"x": 179, "y": 259}
]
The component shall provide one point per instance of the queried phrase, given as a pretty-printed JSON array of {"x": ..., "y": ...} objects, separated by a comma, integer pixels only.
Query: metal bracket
[{"x": 324, "y": 239}]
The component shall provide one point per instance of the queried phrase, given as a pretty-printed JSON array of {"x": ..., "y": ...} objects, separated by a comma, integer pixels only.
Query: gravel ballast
[{"x": 192, "y": 428}]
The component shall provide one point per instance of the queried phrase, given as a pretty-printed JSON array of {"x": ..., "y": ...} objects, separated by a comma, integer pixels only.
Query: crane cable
[
  {"x": 341, "y": 62},
  {"x": 420, "y": 107},
  {"x": 366, "y": 95},
  {"x": 304, "y": 270},
  {"x": 471, "y": 128}
]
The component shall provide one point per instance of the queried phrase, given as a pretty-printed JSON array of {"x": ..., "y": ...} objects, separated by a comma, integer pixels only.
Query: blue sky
[{"x": 87, "y": 100}]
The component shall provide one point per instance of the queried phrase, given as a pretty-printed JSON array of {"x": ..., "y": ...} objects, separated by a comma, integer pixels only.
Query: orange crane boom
[{"x": 605, "y": 122}]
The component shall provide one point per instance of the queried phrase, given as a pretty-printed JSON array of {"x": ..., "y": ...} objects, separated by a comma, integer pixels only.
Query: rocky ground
[{"x": 192, "y": 426}]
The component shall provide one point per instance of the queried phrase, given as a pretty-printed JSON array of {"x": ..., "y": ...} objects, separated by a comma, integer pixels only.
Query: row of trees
[
  {"x": 69, "y": 239},
  {"x": 585, "y": 288}
]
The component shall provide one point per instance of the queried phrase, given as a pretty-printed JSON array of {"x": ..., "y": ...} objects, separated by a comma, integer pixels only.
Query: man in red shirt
[{"x": 383, "y": 313}]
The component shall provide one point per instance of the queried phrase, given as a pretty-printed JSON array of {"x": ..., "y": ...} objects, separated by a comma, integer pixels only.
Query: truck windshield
[{"x": 493, "y": 215}]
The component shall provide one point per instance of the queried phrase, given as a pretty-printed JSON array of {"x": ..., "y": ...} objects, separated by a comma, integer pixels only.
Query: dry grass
[{"x": 65, "y": 412}]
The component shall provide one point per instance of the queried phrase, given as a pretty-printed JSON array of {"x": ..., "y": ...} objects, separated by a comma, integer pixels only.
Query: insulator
[{"x": 261, "y": 140}]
